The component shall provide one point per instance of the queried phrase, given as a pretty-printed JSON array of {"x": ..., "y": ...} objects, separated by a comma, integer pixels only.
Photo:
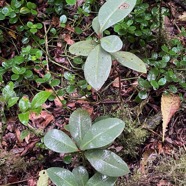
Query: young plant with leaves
[
  {"x": 100, "y": 53},
  {"x": 89, "y": 142}
]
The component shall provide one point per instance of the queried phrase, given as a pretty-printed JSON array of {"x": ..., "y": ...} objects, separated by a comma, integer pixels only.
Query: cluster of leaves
[
  {"x": 100, "y": 53},
  {"x": 165, "y": 70},
  {"x": 89, "y": 143},
  {"x": 9, "y": 98},
  {"x": 17, "y": 8},
  {"x": 141, "y": 26}
]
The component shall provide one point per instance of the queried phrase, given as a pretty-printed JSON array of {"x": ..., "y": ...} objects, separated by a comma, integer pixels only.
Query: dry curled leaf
[{"x": 169, "y": 105}]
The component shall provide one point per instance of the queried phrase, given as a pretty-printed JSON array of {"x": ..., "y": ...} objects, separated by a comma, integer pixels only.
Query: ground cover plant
[{"x": 73, "y": 74}]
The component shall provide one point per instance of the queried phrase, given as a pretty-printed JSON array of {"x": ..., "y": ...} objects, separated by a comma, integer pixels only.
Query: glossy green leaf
[
  {"x": 111, "y": 43},
  {"x": 8, "y": 91},
  {"x": 102, "y": 133},
  {"x": 61, "y": 177},
  {"x": 24, "y": 10},
  {"x": 79, "y": 124},
  {"x": 97, "y": 67},
  {"x": 130, "y": 60},
  {"x": 58, "y": 141},
  {"x": 95, "y": 25},
  {"x": 12, "y": 101},
  {"x": 71, "y": 2},
  {"x": 114, "y": 11},
  {"x": 82, "y": 48},
  {"x": 81, "y": 175},
  {"x": 101, "y": 180},
  {"x": 43, "y": 178},
  {"x": 24, "y": 104},
  {"x": 24, "y": 118},
  {"x": 39, "y": 99},
  {"x": 107, "y": 163}
]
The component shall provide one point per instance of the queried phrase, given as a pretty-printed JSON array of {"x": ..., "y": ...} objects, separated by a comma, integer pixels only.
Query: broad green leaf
[
  {"x": 43, "y": 178},
  {"x": 39, "y": 99},
  {"x": 79, "y": 124},
  {"x": 24, "y": 118},
  {"x": 97, "y": 67},
  {"x": 130, "y": 60},
  {"x": 95, "y": 25},
  {"x": 102, "y": 133},
  {"x": 12, "y": 101},
  {"x": 101, "y": 180},
  {"x": 71, "y": 2},
  {"x": 24, "y": 10},
  {"x": 114, "y": 11},
  {"x": 107, "y": 163},
  {"x": 82, "y": 48},
  {"x": 81, "y": 175},
  {"x": 8, "y": 91},
  {"x": 24, "y": 104},
  {"x": 111, "y": 43},
  {"x": 61, "y": 177},
  {"x": 58, "y": 141}
]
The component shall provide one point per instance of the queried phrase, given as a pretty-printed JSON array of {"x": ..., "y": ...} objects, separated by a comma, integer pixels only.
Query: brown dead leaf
[
  {"x": 169, "y": 105},
  {"x": 42, "y": 120},
  {"x": 116, "y": 83},
  {"x": 58, "y": 100},
  {"x": 68, "y": 39}
]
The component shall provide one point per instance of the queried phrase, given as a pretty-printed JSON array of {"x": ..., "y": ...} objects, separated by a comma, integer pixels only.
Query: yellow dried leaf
[
  {"x": 43, "y": 178},
  {"x": 169, "y": 105},
  {"x": 182, "y": 17}
]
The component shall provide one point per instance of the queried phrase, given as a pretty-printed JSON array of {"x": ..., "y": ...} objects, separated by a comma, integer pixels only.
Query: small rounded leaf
[
  {"x": 58, "y": 141},
  {"x": 61, "y": 177},
  {"x": 111, "y": 43},
  {"x": 107, "y": 163}
]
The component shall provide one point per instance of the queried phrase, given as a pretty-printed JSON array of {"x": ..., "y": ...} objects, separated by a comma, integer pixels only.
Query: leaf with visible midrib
[
  {"x": 169, "y": 105},
  {"x": 82, "y": 48},
  {"x": 79, "y": 124},
  {"x": 61, "y": 177},
  {"x": 58, "y": 141},
  {"x": 97, "y": 67},
  {"x": 130, "y": 60},
  {"x": 102, "y": 133},
  {"x": 114, "y": 11},
  {"x": 107, "y": 163}
]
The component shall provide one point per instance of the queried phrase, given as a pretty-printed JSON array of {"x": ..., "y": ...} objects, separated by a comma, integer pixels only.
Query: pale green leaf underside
[
  {"x": 101, "y": 180},
  {"x": 97, "y": 67},
  {"x": 61, "y": 177},
  {"x": 58, "y": 141},
  {"x": 79, "y": 124},
  {"x": 81, "y": 175},
  {"x": 95, "y": 25},
  {"x": 114, "y": 11},
  {"x": 102, "y": 133},
  {"x": 130, "y": 60},
  {"x": 111, "y": 43},
  {"x": 82, "y": 48},
  {"x": 107, "y": 163}
]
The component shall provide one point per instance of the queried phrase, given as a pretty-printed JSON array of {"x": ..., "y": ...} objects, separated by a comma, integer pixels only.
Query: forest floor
[{"x": 151, "y": 161}]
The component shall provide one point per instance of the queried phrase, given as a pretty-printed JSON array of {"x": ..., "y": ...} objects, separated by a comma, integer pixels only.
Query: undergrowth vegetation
[{"x": 77, "y": 53}]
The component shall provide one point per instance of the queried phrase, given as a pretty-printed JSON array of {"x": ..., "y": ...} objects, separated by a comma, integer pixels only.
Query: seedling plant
[
  {"x": 89, "y": 141},
  {"x": 101, "y": 51}
]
